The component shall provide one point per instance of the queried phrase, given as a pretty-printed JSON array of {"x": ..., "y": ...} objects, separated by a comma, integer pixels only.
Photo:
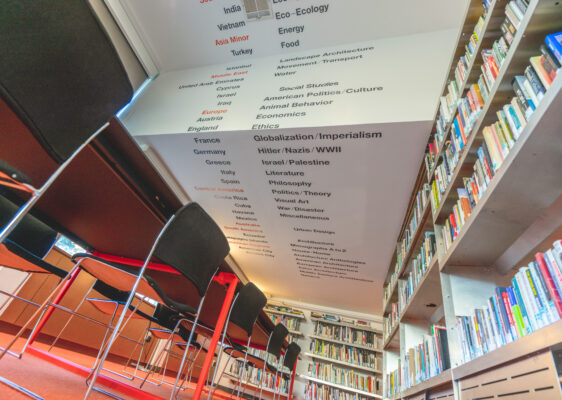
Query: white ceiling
[
  {"x": 181, "y": 34},
  {"x": 369, "y": 181}
]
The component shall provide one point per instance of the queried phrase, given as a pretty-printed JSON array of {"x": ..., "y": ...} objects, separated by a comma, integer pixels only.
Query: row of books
[
  {"x": 289, "y": 322},
  {"x": 428, "y": 359},
  {"x": 418, "y": 268},
  {"x": 462, "y": 69},
  {"x": 533, "y": 301},
  {"x": 254, "y": 375},
  {"x": 388, "y": 288},
  {"x": 272, "y": 307},
  {"x": 360, "y": 324},
  {"x": 514, "y": 13},
  {"x": 448, "y": 103},
  {"x": 404, "y": 246},
  {"x": 314, "y": 391},
  {"x": 500, "y": 137},
  {"x": 391, "y": 320},
  {"x": 472, "y": 45},
  {"x": 345, "y": 377},
  {"x": 344, "y": 353},
  {"x": 347, "y": 334},
  {"x": 469, "y": 109},
  {"x": 492, "y": 59},
  {"x": 422, "y": 198}
]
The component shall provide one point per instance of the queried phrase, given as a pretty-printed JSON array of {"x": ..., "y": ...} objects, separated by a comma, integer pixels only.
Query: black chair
[
  {"x": 192, "y": 244},
  {"x": 61, "y": 75},
  {"x": 289, "y": 362},
  {"x": 244, "y": 312},
  {"x": 174, "y": 333},
  {"x": 274, "y": 348}
]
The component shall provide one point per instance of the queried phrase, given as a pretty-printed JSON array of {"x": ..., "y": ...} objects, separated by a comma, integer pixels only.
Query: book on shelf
[
  {"x": 353, "y": 336},
  {"x": 499, "y": 138},
  {"x": 345, "y": 377},
  {"x": 449, "y": 103},
  {"x": 428, "y": 359},
  {"x": 402, "y": 248},
  {"x": 254, "y": 375},
  {"x": 418, "y": 269},
  {"x": 292, "y": 323},
  {"x": 554, "y": 43},
  {"x": 345, "y": 353},
  {"x": 390, "y": 322},
  {"x": 273, "y": 307},
  {"x": 533, "y": 301},
  {"x": 421, "y": 362},
  {"x": 315, "y": 391}
]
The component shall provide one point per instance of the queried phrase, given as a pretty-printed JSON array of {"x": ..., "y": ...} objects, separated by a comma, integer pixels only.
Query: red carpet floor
[{"x": 56, "y": 383}]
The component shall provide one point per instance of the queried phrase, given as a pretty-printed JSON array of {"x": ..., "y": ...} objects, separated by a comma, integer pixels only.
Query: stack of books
[
  {"x": 394, "y": 381},
  {"x": 290, "y": 322},
  {"x": 501, "y": 136},
  {"x": 428, "y": 359},
  {"x": 314, "y": 391},
  {"x": 418, "y": 269},
  {"x": 253, "y": 376},
  {"x": 346, "y": 334},
  {"x": 449, "y": 103},
  {"x": 345, "y": 353},
  {"x": 345, "y": 377},
  {"x": 390, "y": 321},
  {"x": 533, "y": 301}
]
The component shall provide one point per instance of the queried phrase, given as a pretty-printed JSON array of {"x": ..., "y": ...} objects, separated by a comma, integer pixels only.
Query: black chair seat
[
  {"x": 16, "y": 257},
  {"x": 101, "y": 269}
]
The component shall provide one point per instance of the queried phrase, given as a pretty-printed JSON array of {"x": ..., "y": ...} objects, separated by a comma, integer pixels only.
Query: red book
[
  {"x": 453, "y": 225},
  {"x": 461, "y": 127},
  {"x": 471, "y": 101},
  {"x": 475, "y": 190},
  {"x": 549, "y": 283},
  {"x": 512, "y": 326},
  {"x": 493, "y": 67}
]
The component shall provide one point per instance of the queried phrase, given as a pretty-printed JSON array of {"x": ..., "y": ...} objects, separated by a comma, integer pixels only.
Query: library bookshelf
[
  {"x": 254, "y": 387},
  {"x": 443, "y": 271},
  {"x": 289, "y": 317},
  {"x": 344, "y": 359}
]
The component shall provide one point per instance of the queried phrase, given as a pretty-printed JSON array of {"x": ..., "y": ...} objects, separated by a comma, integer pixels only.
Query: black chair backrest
[
  {"x": 276, "y": 340},
  {"x": 247, "y": 307},
  {"x": 194, "y": 245},
  {"x": 291, "y": 355},
  {"x": 31, "y": 234},
  {"x": 59, "y": 71}
]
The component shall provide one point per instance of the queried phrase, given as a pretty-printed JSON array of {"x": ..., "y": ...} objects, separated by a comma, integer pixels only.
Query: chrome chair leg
[
  {"x": 38, "y": 311},
  {"x": 243, "y": 369},
  {"x": 124, "y": 313},
  {"x": 70, "y": 318},
  {"x": 221, "y": 347},
  {"x": 262, "y": 377},
  {"x": 20, "y": 389},
  {"x": 5, "y": 232},
  {"x": 187, "y": 346}
]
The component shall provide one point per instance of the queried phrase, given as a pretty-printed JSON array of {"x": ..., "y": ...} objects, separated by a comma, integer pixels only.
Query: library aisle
[{"x": 281, "y": 199}]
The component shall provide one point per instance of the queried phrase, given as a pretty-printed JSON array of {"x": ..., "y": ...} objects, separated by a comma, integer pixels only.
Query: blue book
[
  {"x": 554, "y": 43},
  {"x": 498, "y": 319},
  {"x": 522, "y": 306},
  {"x": 503, "y": 315},
  {"x": 516, "y": 312}
]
